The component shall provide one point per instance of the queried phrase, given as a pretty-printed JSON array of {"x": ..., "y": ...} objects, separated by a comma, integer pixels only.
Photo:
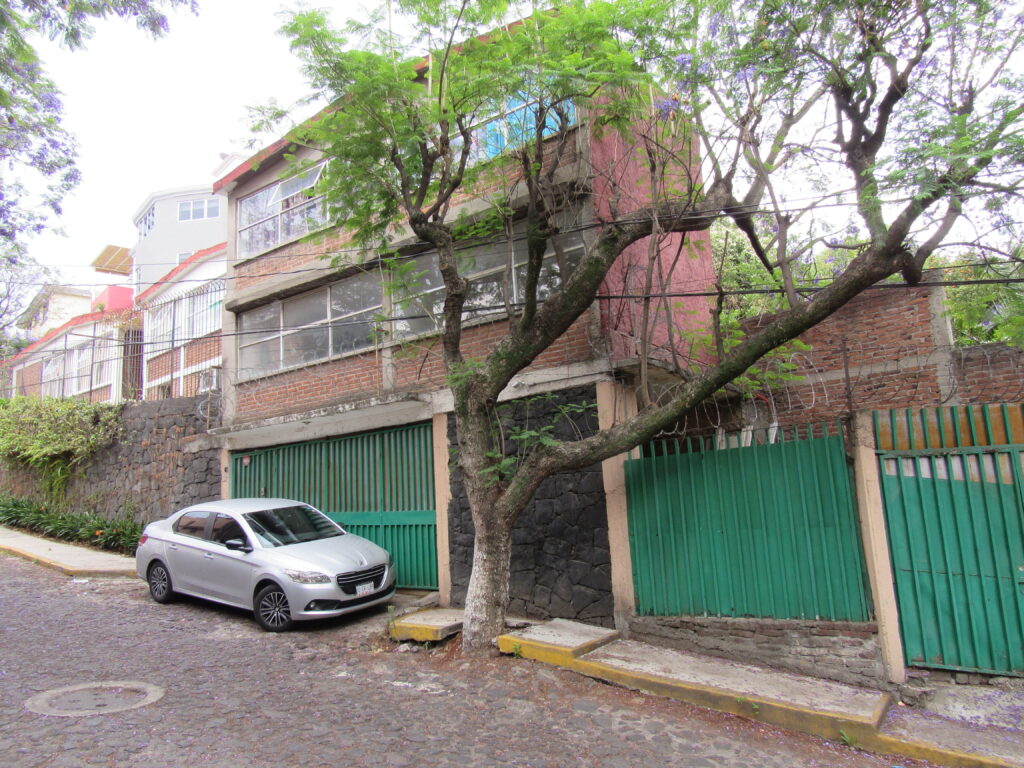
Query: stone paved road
[{"x": 336, "y": 694}]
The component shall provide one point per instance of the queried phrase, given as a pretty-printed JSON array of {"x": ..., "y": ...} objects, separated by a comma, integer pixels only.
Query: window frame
[
  {"x": 210, "y": 209},
  {"x": 283, "y": 205}
]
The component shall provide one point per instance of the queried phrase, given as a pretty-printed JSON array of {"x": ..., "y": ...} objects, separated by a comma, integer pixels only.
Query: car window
[
  {"x": 291, "y": 525},
  {"x": 225, "y": 527},
  {"x": 192, "y": 524}
]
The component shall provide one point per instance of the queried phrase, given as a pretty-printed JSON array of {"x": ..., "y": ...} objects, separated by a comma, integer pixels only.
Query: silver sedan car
[{"x": 282, "y": 559}]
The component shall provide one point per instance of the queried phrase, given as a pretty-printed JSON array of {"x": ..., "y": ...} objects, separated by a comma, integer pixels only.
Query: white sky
[{"x": 156, "y": 114}]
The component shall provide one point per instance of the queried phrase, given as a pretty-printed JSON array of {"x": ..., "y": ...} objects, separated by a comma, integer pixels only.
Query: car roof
[{"x": 242, "y": 506}]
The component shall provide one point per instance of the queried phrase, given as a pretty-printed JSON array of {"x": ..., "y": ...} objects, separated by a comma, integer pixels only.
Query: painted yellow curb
[
  {"x": 881, "y": 743},
  {"x": 407, "y": 628}
]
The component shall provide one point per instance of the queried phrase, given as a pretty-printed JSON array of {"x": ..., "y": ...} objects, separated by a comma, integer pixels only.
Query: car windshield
[{"x": 291, "y": 525}]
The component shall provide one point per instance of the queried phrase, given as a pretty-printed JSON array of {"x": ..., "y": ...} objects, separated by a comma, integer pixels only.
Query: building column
[
  {"x": 616, "y": 403},
  {"x": 442, "y": 498},
  {"x": 875, "y": 540}
]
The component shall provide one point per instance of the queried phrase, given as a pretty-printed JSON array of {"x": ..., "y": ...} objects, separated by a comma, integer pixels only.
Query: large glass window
[
  {"x": 279, "y": 213},
  {"x": 512, "y": 127},
  {"x": 329, "y": 321},
  {"x": 343, "y": 317}
]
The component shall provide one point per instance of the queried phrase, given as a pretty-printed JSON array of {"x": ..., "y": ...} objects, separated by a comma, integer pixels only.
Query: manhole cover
[{"x": 94, "y": 698}]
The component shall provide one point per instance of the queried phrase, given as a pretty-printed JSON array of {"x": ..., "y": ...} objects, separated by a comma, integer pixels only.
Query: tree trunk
[{"x": 487, "y": 596}]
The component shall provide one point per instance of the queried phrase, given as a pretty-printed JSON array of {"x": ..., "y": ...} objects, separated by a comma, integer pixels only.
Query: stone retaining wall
[
  {"x": 837, "y": 650},
  {"x": 163, "y": 461},
  {"x": 561, "y": 566}
]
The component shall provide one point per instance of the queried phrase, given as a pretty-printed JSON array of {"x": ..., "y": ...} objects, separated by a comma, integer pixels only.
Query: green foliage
[
  {"x": 986, "y": 312},
  {"x": 117, "y": 535},
  {"x": 521, "y": 426},
  {"x": 55, "y": 436}
]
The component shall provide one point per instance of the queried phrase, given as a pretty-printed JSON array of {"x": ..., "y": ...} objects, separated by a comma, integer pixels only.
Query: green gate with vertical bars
[
  {"x": 953, "y": 491},
  {"x": 379, "y": 485},
  {"x": 767, "y": 529}
]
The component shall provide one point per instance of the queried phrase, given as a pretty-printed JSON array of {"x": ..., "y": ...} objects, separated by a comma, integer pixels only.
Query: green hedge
[{"x": 120, "y": 535}]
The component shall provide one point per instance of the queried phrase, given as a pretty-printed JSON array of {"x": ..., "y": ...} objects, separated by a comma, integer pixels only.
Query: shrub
[{"x": 117, "y": 535}]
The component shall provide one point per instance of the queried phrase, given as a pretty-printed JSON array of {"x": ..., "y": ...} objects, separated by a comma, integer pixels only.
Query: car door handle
[
  {"x": 208, "y": 555},
  {"x": 173, "y": 546}
]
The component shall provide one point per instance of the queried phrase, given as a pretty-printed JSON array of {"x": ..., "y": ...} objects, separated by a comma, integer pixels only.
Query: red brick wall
[
  {"x": 418, "y": 367},
  {"x": 990, "y": 373},
  {"x": 27, "y": 380}
]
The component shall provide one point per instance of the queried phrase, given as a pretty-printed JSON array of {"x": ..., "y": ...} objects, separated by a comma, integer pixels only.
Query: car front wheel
[
  {"x": 160, "y": 586},
  {"x": 271, "y": 609}
]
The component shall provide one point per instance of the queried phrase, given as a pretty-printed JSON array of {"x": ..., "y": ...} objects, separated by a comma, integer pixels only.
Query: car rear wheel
[
  {"x": 160, "y": 587},
  {"x": 272, "y": 610}
]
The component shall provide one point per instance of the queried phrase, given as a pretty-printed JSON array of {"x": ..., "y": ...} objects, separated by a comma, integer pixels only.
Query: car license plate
[{"x": 364, "y": 589}]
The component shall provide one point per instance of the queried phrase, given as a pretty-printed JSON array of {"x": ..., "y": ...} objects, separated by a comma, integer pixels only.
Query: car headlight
[{"x": 308, "y": 577}]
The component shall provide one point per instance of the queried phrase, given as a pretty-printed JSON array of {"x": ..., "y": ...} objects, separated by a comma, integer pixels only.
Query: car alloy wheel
[
  {"x": 159, "y": 579},
  {"x": 272, "y": 610}
]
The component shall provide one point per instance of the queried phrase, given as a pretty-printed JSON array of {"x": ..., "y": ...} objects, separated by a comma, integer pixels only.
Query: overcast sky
[{"x": 156, "y": 114}]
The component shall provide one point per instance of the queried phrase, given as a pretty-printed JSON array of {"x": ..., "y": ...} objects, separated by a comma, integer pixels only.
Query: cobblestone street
[{"x": 333, "y": 694}]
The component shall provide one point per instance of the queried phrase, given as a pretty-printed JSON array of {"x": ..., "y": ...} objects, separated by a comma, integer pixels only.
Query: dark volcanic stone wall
[
  {"x": 561, "y": 566},
  {"x": 163, "y": 461}
]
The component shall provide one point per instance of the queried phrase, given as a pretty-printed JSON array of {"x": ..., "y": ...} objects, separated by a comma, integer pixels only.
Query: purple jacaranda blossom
[
  {"x": 684, "y": 60},
  {"x": 745, "y": 74},
  {"x": 715, "y": 24},
  {"x": 666, "y": 107},
  {"x": 703, "y": 68}
]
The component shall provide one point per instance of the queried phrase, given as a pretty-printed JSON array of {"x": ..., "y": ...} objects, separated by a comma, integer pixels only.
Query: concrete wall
[
  {"x": 561, "y": 566},
  {"x": 164, "y": 461}
]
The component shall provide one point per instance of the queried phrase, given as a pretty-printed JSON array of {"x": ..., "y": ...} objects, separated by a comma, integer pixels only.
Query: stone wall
[
  {"x": 163, "y": 461},
  {"x": 837, "y": 650},
  {"x": 561, "y": 566}
]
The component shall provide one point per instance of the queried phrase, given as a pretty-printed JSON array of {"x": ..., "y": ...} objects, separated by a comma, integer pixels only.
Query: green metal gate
[
  {"x": 379, "y": 485},
  {"x": 766, "y": 530},
  {"x": 953, "y": 490}
]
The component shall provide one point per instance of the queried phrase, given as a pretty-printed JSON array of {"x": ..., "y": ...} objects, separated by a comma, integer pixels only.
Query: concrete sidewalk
[
  {"x": 72, "y": 559},
  {"x": 864, "y": 719}
]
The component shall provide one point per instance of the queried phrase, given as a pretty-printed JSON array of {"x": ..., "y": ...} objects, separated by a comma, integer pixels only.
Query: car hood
[{"x": 338, "y": 554}]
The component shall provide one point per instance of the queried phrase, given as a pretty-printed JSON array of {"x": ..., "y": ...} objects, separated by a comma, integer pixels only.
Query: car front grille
[{"x": 348, "y": 581}]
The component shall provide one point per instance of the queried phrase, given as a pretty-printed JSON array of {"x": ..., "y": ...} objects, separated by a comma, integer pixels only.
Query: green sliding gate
[
  {"x": 768, "y": 529},
  {"x": 379, "y": 485},
  {"x": 953, "y": 490}
]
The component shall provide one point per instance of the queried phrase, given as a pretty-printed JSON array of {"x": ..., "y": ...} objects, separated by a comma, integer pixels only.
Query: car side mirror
[{"x": 237, "y": 545}]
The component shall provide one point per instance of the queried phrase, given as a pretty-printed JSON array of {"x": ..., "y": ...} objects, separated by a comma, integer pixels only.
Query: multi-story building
[
  {"x": 335, "y": 392},
  {"x": 94, "y": 356},
  {"x": 182, "y": 319}
]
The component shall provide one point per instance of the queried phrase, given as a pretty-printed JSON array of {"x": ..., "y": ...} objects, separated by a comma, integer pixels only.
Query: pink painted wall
[{"x": 678, "y": 330}]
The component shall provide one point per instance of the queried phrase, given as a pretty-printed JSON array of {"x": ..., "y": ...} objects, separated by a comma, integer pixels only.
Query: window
[
  {"x": 181, "y": 319},
  {"x": 280, "y": 213},
  {"x": 225, "y": 528},
  {"x": 192, "y": 524},
  {"x": 485, "y": 266},
  {"x": 340, "y": 318},
  {"x": 145, "y": 224},
  {"x": 511, "y": 128},
  {"x": 329, "y": 321},
  {"x": 194, "y": 210}
]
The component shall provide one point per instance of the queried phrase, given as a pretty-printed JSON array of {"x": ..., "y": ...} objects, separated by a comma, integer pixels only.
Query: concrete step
[{"x": 429, "y": 626}]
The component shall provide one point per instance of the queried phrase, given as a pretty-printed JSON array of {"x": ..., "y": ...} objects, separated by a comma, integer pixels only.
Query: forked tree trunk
[{"x": 487, "y": 596}]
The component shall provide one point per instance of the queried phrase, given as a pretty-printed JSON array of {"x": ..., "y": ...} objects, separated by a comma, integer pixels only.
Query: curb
[
  {"x": 67, "y": 570},
  {"x": 858, "y": 732}
]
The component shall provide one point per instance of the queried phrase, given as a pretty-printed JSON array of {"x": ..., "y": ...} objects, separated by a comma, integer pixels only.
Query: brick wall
[
  {"x": 415, "y": 367},
  {"x": 989, "y": 373}
]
